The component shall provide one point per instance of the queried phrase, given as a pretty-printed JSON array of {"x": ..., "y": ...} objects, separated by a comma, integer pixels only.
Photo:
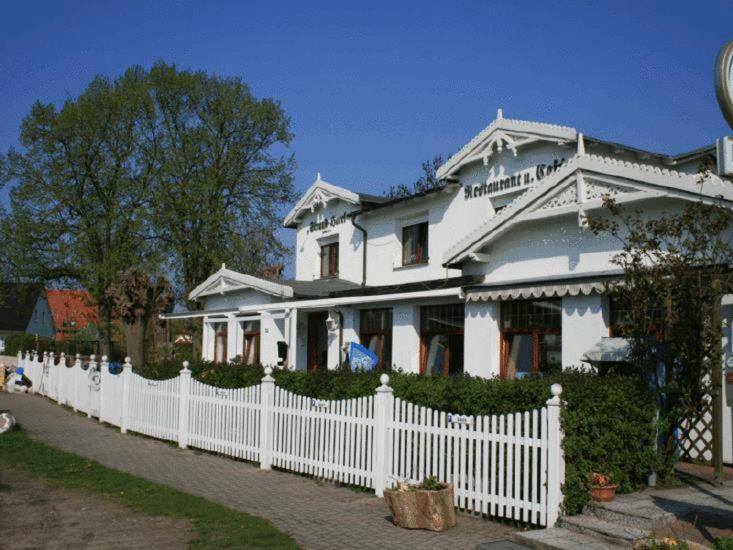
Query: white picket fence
[{"x": 507, "y": 466}]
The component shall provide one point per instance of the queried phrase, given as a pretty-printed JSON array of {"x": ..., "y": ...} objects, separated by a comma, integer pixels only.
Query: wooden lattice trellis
[{"x": 696, "y": 436}]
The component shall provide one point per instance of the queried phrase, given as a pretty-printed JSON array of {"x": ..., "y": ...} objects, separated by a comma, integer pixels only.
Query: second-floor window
[
  {"x": 415, "y": 244},
  {"x": 330, "y": 260}
]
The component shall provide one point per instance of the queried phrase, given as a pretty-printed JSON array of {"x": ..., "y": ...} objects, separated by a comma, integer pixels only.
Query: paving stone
[
  {"x": 606, "y": 530},
  {"x": 317, "y": 515},
  {"x": 559, "y": 538}
]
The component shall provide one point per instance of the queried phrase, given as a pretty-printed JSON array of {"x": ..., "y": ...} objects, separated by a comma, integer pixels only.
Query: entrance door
[{"x": 317, "y": 340}]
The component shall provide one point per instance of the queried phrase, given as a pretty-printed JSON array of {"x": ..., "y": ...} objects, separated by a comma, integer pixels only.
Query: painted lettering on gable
[
  {"x": 524, "y": 178},
  {"x": 327, "y": 223}
]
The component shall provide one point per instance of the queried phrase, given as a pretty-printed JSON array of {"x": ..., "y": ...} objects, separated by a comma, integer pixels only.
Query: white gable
[
  {"x": 505, "y": 135},
  {"x": 226, "y": 280},
  {"x": 318, "y": 195},
  {"x": 580, "y": 185}
]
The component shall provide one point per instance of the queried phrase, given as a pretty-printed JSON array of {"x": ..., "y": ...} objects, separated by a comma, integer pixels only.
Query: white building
[{"x": 495, "y": 274}]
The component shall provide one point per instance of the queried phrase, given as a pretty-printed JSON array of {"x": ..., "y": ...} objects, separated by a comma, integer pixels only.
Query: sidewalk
[{"x": 317, "y": 515}]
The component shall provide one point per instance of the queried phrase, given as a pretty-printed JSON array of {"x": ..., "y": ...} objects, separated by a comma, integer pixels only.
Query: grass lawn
[{"x": 216, "y": 526}]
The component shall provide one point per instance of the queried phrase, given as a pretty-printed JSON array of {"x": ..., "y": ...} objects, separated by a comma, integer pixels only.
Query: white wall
[
  {"x": 308, "y": 243},
  {"x": 406, "y": 337},
  {"x": 584, "y": 323},
  {"x": 482, "y": 339}
]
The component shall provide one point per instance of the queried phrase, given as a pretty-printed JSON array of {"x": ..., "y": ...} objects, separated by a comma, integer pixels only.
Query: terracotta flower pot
[
  {"x": 603, "y": 494},
  {"x": 422, "y": 509}
]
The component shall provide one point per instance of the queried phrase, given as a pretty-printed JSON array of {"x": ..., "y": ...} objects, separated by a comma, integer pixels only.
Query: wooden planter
[
  {"x": 421, "y": 509},
  {"x": 603, "y": 494}
]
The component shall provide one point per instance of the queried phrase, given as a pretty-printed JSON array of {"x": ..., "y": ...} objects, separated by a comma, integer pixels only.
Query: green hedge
[
  {"x": 608, "y": 420},
  {"x": 25, "y": 342}
]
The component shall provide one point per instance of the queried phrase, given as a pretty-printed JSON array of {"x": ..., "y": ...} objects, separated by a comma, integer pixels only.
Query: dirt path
[{"x": 38, "y": 515}]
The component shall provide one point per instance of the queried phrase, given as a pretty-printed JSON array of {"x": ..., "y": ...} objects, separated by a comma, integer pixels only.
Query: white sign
[{"x": 460, "y": 419}]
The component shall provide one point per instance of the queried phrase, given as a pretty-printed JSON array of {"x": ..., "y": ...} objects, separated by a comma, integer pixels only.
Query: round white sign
[{"x": 724, "y": 81}]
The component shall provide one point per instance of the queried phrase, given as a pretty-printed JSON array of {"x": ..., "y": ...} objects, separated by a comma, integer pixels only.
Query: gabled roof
[
  {"x": 72, "y": 309},
  {"x": 504, "y": 133},
  {"x": 227, "y": 280},
  {"x": 319, "y": 193},
  {"x": 17, "y": 302},
  {"x": 581, "y": 184}
]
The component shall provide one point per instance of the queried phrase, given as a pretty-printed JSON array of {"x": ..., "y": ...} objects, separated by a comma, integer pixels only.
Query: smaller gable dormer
[
  {"x": 319, "y": 194},
  {"x": 226, "y": 280}
]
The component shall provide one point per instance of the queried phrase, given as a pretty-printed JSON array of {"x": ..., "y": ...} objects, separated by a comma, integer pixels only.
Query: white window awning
[{"x": 536, "y": 290}]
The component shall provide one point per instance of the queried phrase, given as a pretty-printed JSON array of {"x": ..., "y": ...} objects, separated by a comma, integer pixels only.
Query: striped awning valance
[{"x": 524, "y": 292}]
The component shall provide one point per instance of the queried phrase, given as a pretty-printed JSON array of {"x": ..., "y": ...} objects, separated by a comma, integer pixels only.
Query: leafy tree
[
  {"x": 221, "y": 184},
  {"x": 78, "y": 211},
  {"x": 676, "y": 269},
  {"x": 138, "y": 299},
  {"x": 426, "y": 182},
  {"x": 176, "y": 170}
]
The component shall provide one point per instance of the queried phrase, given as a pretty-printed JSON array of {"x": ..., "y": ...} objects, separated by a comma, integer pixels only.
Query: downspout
[
  {"x": 353, "y": 216},
  {"x": 341, "y": 338}
]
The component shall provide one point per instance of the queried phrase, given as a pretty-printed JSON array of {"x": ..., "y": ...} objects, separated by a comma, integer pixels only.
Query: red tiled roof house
[{"x": 71, "y": 310}]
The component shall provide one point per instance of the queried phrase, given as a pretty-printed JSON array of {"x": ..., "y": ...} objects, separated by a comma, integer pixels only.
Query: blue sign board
[{"x": 362, "y": 358}]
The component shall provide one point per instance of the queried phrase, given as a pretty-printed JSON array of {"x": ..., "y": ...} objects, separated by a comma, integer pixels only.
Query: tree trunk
[
  {"x": 135, "y": 333},
  {"x": 106, "y": 343}
]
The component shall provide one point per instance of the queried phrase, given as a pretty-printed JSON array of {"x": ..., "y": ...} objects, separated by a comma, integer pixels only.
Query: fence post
[
  {"x": 61, "y": 380},
  {"x": 75, "y": 391},
  {"x": 103, "y": 367},
  {"x": 90, "y": 371},
  {"x": 383, "y": 411},
  {"x": 184, "y": 388},
  {"x": 555, "y": 457},
  {"x": 46, "y": 374},
  {"x": 53, "y": 377},
  {"x": 38, "y": 371},
  {"x": 126, "y": 375},
  {"x": 267, "y": 401}
]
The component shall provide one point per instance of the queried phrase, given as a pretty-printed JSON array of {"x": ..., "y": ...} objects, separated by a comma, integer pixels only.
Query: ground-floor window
[
  {"x": 441, "y": 339},
  {"x": 622, "y": 320},
  {"x": 376, "y": 334},
  {"x": 251, "y": 343},
  {"x": 220, "y": 342},
  {"x": 531, "y": 337}
]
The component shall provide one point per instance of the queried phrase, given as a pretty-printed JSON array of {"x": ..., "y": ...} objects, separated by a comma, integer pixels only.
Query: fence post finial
[
  {"x": 555, "y": 456},
  {"x": 381, "y": 451},
  {"x": 267, "y": 402},
  {"x": 184, "y": 390}
]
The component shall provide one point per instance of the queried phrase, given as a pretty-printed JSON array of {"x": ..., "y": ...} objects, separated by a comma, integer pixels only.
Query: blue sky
[{"x": 375, "y": 89}]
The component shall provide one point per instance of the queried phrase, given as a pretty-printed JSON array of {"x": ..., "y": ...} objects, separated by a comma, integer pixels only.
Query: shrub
[
  {"x": 608, "y": 420},
  {"x": 22, "y": 342}
]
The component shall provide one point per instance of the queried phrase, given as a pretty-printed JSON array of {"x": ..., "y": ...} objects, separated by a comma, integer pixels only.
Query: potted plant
[
  {"x": 601, "y": 488},
  {"x": 427, "y": 505}
]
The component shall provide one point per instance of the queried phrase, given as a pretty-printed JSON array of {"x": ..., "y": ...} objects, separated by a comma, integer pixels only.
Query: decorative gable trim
[
  {"x": 226, "y": 280},
  {"x": 595, "y": 176},
  {"x": 317, "y": 196},
  {"x": 505, "y": 133}
]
